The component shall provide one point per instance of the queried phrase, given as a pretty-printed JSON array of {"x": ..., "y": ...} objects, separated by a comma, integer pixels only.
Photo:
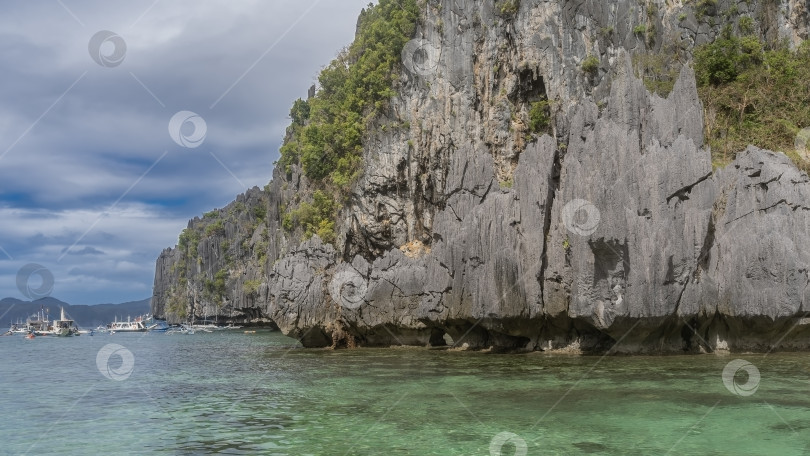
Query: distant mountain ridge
[{"x": 85, "y": 316}]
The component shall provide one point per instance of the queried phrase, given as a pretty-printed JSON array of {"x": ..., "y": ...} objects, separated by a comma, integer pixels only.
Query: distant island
[{"x": 85, "y": 316}]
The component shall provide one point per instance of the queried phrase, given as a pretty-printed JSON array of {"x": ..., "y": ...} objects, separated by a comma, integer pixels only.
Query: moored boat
[
  {"x": 181, "y": 329},
  {"x": 39, "y": 325},
  {"x": 155, "y": 325},
  {"x": 17, "y": 328},
  {"x": 141, "y": 323},
  {"x": 63, "y": 327},
  {"x": 207, "y": 326},
  {"x": 127, "y": 326}
]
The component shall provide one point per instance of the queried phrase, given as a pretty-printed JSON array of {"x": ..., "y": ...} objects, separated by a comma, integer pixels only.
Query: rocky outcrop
[
  {"x": 750, "y": 291},
  {"x": 239, "y": 239},
  {"x": 623, "y": 246},
  {"x": 607, "y": 228}
]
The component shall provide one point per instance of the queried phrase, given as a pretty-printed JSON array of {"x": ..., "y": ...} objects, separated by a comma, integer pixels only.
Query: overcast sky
[{"x": 92, "y": 184}]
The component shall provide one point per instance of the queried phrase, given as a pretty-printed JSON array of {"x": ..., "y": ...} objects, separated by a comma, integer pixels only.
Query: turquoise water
[{"x": 233, "y": 393}]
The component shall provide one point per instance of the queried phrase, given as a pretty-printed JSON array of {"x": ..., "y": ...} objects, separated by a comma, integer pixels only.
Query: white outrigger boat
[
  {"x": 17, "y": 328},
  {"x": 127, "y": 326},
  {"x": 38, "y": 325},
  {"x": 182, "y": 329},
  {"x": 155, "y": 325},
  {"x": 207, "y": 326},
  {"x": 64, "y": 327},
  {"x": 142, "y": 323}
]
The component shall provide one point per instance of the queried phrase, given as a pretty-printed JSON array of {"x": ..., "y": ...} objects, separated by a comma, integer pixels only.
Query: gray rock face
[
  {"x": 298, "y": 290},
  {"x": 750, "y": 290},
  {"x": 632, "y": 212},
  {"x": 608, "y": 229}
]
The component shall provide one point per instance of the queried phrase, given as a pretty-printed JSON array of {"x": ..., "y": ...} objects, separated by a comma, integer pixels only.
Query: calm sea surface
[{"x": 236, "y": 393}]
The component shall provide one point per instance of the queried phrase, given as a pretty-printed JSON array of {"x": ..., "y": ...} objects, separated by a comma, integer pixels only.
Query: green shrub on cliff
[
  {"x": 299, "y": 113},
  {"x": 216, "y": 228},
  {"x": 216, "y": 289},
  {"x": 753, "y": 94},
  {"x": 176, "y": 299},
  {"x": 658, "y": 70},
  {"x": 326, "y": 134},
  {"x": 705, "y": 8},
  {"x": 327, "y": 131},
  {"x": 315, "y": 218},
  {"x": 507, "y": 8},
  {"x": 251, "y": 287},
  {"x": 539, "y": 118},
  {"x": 188, "y": 241},
  {"x": 726, "y": 58},
  {"x": 260, "y": 212},
  {"x": 590, "y": 65}
]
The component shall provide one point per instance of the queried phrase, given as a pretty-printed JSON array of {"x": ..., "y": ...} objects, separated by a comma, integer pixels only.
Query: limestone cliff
[{"x": 605, "y": 226}]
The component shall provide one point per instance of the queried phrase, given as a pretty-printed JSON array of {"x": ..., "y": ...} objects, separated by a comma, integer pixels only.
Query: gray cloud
[
  {"x": 87, "y": 250},
  {"x": 75, "y": 136}
]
